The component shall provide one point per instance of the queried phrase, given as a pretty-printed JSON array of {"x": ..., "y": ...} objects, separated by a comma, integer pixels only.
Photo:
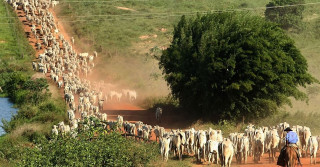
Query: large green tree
[
  {"x": 287, "y": 13},
  {"x": 230, "y": 65}
]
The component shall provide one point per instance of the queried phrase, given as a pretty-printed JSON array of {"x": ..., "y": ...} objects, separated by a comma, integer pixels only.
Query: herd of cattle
[
  {"x": 207, "y": 145},
  {"x": 66, "y": 67},
  {"x": 63, "y": 63},
  {"x": 210, "y": 145}
]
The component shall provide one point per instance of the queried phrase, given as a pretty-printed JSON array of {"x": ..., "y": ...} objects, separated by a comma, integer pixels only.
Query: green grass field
[{"x": 15, "y": 51}]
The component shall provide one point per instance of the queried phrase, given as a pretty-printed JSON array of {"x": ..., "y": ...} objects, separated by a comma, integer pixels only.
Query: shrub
[
  {"x": 288, "y": 16},
  {"x": 105, "y": 150}
]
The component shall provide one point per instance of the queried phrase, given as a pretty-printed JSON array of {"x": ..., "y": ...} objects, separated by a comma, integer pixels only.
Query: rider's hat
[{"x": 288, "y": 129}]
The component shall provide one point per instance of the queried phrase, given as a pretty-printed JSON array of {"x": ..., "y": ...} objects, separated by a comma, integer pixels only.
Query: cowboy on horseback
[{"x": 291, "y": 141}]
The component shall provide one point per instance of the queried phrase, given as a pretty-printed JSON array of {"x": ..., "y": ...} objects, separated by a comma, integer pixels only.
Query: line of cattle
[
  {"x": 62, "y": 62},
  {"x": 207, "y": 145}
]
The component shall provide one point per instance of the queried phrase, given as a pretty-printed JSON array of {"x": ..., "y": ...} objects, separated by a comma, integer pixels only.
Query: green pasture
[{"x": 15, "y": 51}]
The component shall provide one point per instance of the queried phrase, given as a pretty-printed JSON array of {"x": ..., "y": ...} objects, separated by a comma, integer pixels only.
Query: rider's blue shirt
[{"x": 292, "y": 137}]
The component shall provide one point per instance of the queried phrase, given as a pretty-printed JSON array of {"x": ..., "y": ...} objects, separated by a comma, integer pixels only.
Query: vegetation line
[{"x": 184, "y": 13}]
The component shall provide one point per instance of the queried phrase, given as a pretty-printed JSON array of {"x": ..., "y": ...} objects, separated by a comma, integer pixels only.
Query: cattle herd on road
[
  {"x": 206, "y": 145},
  {"x": 69, "y": 70}
]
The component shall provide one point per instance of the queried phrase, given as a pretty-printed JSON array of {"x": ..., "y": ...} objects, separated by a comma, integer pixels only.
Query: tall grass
[{"x": 14, "y": 48}]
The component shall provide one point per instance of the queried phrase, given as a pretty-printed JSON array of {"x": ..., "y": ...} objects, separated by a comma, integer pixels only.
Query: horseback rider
[{"x": 291, "y": 141}]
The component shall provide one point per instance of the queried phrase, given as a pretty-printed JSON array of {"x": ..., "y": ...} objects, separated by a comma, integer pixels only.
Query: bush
[
  {"x": 105, "y": 150},
  {"x": 167, "y": 103},
  {"x": 9, "y": 149},
  {"x": 288, "y": 16}
]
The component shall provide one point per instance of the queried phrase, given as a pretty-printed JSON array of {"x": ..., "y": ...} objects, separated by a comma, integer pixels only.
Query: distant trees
[
  {"x": 229, "y": 65},
  {"x": 288, "y": 16}
]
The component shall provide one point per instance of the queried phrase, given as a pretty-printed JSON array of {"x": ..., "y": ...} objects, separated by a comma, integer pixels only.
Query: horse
[{"x": 291, "y": 157}]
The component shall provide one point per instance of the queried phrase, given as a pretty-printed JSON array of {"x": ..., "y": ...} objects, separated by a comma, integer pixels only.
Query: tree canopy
[
  {"x": 287, "y": 13},
  {"x": 229, "y": 65}
]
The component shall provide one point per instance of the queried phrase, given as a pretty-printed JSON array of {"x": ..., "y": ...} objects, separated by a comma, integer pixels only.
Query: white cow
[
  {"x": 158, "y": 131},
  {"x": 118, "y": 96},
  {"x": 226, "y": 152},
  {"x": 100, "y": 104},
  {"x": 273, "y": 142},
  {"x": 212, "y": 150},
  {"x": 201, "y": 141},
  {"x": 176, "y": 146},
  {"x": 139, "y": 124},
  {"x": 54, "y": 131},
  {"x": 190, "y": 140},
  {"x": 61, "y": 128},
  {"x": 111, "y": 94},
  {"x": 313, "y": 146},
  {"x": 71, "y": 115},
  {"x": 145, "y": 134},
  {"x": 104, "y": 117},
  {"x": 129, "y": 128},
  {"x": 132, "y": 95},
  {"x": 67, "y": 129},
  {"x": 243, "y": 148},
  {"x": 74, "y": 125},
  {"x": 165, "y": 147},
  {"x": 258, "y": 147},
  {"x": 84, "y": 115},
  {"x": 120, "y": 120},
  {"x": 54, "y": 3}
]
